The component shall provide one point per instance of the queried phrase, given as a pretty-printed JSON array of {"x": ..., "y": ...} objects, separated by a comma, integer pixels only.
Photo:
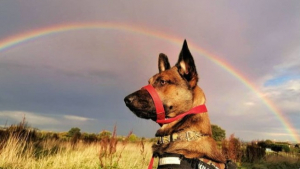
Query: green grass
[{"x": 274, "y": 161}]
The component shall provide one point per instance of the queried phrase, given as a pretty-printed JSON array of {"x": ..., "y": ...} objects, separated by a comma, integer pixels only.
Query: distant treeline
[{"x": 23, "y": 131}]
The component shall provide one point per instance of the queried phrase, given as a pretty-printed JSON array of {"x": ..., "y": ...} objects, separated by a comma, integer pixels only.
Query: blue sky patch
[{"x": 280, "y": 80}]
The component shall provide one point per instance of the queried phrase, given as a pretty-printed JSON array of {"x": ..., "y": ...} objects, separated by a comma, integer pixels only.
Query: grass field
[
  {"x": 21, "y": 148},
  {"x": 16, "y": 154}
]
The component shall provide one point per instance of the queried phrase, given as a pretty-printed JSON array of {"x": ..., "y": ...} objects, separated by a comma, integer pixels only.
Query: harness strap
[
  {"x": 160, "y": 111},
  {"x": 196, "y": 110},
  {"x": 151, "y": 163}
]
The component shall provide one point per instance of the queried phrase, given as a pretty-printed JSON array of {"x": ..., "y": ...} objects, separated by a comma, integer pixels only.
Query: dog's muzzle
[{"x": 160, "y": 112}]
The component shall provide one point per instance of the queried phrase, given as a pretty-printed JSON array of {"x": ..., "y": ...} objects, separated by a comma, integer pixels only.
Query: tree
[
  {"x": 75, "y": 134},
  {"x": 74, "y": 131},
  {"x": 269, "y": 143},
  {"x": 104, "y": 134},
  {"x": 218, "y": 133},
  {"x": 262, "y": 144},
  {"x": 286, "y": 148},
  {"x": 276, "y": 148},
  {"x": 254, "y": 153}
]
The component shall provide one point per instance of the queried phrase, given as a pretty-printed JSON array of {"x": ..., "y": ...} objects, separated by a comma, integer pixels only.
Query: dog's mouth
[
  {"x": 141, "y": 113},
  {"x": 141, "y": 104}
]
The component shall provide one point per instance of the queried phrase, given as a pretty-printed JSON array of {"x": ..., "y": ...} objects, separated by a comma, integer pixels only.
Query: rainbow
[{"x": 38, "y": 33}]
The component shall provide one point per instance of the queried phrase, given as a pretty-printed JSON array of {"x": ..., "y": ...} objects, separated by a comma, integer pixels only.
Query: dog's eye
[{"x": 163, "y": 82}]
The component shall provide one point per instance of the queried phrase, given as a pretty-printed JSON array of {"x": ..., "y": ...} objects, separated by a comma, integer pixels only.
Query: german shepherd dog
[{"x": 187, "y": 140}]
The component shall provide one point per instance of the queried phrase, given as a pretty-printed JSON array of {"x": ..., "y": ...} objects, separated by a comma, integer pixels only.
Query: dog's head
[{"x": 174, "y": 85}]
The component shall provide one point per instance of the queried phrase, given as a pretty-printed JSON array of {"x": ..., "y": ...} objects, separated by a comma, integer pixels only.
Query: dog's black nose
[{"x": 128, "y": 100}]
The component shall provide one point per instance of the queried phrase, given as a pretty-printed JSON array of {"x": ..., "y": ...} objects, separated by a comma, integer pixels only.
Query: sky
[{"x": 247, "y": 55}]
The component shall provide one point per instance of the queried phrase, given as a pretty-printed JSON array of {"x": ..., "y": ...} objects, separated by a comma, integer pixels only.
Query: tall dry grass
[
  {"x": 20, "y": 148},
  {"x": 124, "y": 154},
  {"x": 16, "y": 153}
]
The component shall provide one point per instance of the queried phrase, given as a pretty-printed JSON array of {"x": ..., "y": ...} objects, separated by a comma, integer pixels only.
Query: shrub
[
  {"x": 254, "y": 153},
  {"x": 89, "y": 138},
  {"x": 231, "y": 148},
  {"x": 133, "y": 138},
  {"x": 218, "y": 133}
]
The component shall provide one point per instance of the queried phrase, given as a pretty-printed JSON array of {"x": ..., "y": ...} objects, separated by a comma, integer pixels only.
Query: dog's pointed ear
[
  {"x": 186, "y": 65},
  {"x": 163, "y": 62}
]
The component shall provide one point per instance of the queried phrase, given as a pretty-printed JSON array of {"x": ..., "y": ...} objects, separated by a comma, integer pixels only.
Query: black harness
[{"x": 177, "y": 161}]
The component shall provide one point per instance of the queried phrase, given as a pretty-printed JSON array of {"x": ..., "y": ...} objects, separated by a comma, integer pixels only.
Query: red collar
[{"x": 160, "y": 111}]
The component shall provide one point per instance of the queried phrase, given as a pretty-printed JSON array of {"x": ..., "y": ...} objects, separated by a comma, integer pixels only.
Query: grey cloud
[{"x": 87, "y": 73}]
